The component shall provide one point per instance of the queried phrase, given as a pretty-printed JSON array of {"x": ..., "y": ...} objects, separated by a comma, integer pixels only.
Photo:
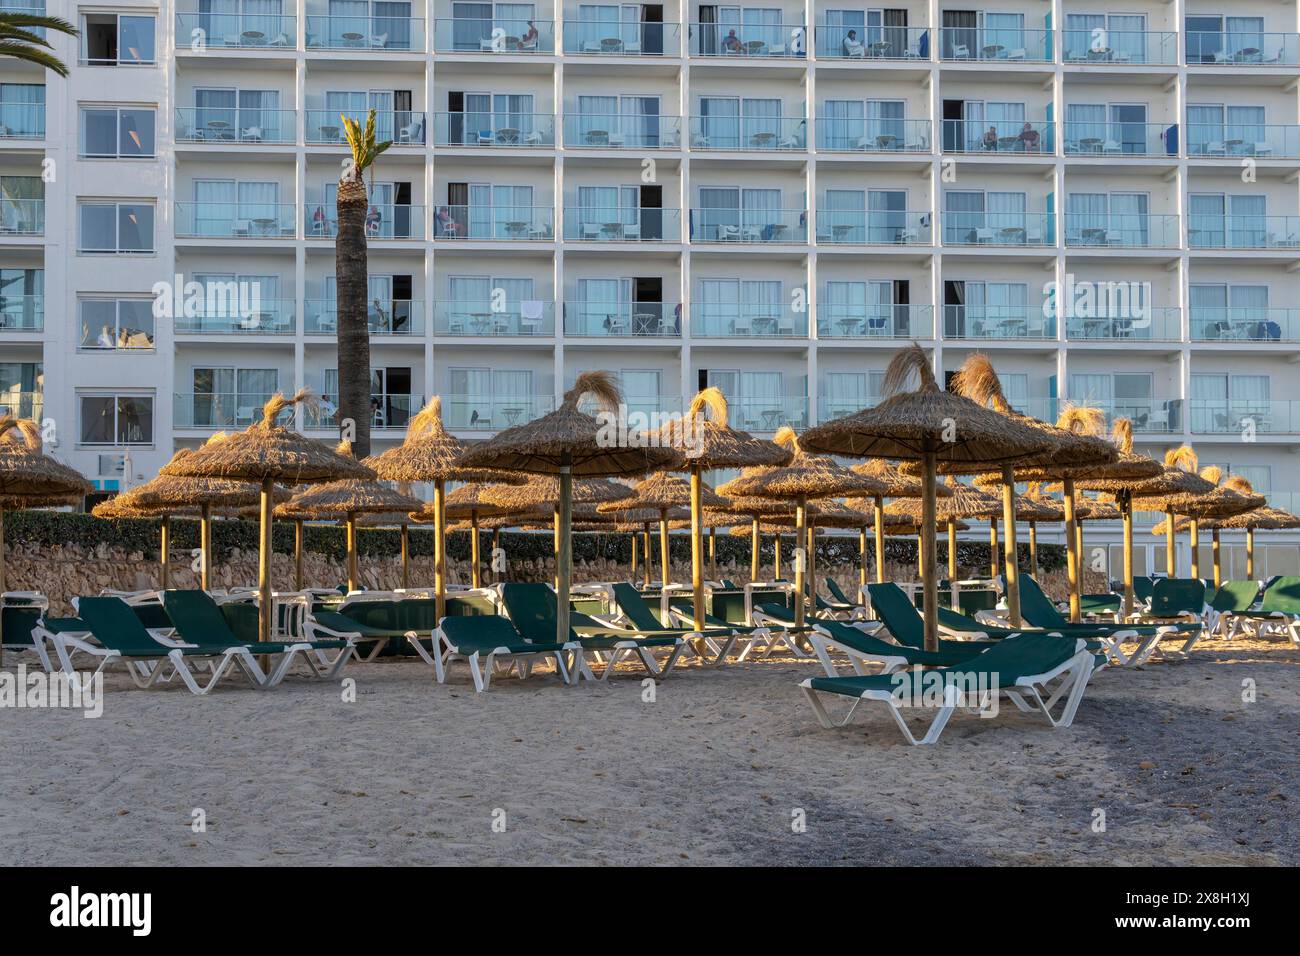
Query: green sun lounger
[
  {"x": 1177, "y": 597},
  {"x": 783, "y": 629},
  {"x": 481, "y": 639},
  {"x": 717, "y": 640},
  {"x": 1230, "y": 599},
  {"x": 120, "y": 637},
  {"x": 843, "y": 602},
  {"x": 323, "y": 624},
  {"x": 1034, "y": 671},
  {"x": 1279, "y": 612},
  {"x": 863, "y": 649},
  {"x": 905, "y": 623}
]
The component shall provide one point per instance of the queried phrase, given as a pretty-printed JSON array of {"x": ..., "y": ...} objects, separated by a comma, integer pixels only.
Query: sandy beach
[{"x": 712, "y": 771}]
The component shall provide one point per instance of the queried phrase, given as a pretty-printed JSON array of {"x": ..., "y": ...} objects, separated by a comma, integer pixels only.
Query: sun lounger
[
  {"x": 1034, "y": 672},
  {"x": 1278, "y": 613},
  {"x": 120, "y": 637},
  {"x": 844, "y": 603},
  {"x": 20, "y": 627},
  {"x": 1173, "y": 598},
  {"x": 862, "y": 649},
  {"x": 1232, "y": 598},
  {"x": 373, "y": 623},
  {"x": 904, "y": 622},
  {"x": 481, "y": 639},
  {"x": 783, "y": 629},
  {"x": 748, "y": 636},
  {"x": 632, "y": 607}
]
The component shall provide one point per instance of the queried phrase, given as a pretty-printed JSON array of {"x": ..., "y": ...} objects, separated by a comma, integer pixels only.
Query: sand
[{"x": 717, "y": 769}]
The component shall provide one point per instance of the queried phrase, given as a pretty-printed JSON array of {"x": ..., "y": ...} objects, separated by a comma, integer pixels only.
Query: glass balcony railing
[
  {"x": 524, "y": 317},
  {"x": 732, "y": 225},
  {"x": 585, "y": 318},
  {"x": 388, "y": 412},
  {"x": 1125, "y": 322},
  {"x": 219, "y": 409},
  {"x": 830, "y": 408},
  {"x": 1246, "y": 324},
  {"x": 1134, "y": 231},
  {"x": 272, "y": 317},
  {"x": 995, "y": 45},
  {"x": 1120, "y": 139},
  {"x": 1235, "y": 140},
  {"x": 748, "y": 39},
  {"x": 612, "y": 131},
  {"x": 1120, "y": 47},
  {"x": 22, "y": 217},
  {"x": 768, "y": 413},
  {"x": 1243, "y": 232},
  {"x": 1152, "y": 416},
  {"x": 222, "y": 126},
  {"x": 401, "y": 127},
  {"x": 22, "y": 313},
  {"x": 501, "y": 36},
  {"x": 595, "y": 224},
  {"x": 1245, "y": 48},
  {"x": 495, "y": 223},
  {"x": 756, "y": 133},
  {"x": 23, "y": 404},
  {"x": 1241, "y": 417},
  {"x": 759, "y": 320},
  {"x": 874, "y": 321},
  {"x": 1031, "y": 229},
  {"x": 22, "y": 120},
  {"x": 225, "y": 220},
  {"x": 491, "y": 413},
  {"x": 872, "y": 43},
  {"x": 1001, "y": 322},
  {"x": 873, "y": 135},
  {"x": 384, "y": 316},
  {"x": 873, "y": 227},
  {"x": 622, "y": 39},
  {"x": 1003, "y": 137},
  {"x": 383, "y": 221},
  {"x": 366, "y": 33},
  {"x": 197, "y": 31},
  {"x": 534, "y": 130}
]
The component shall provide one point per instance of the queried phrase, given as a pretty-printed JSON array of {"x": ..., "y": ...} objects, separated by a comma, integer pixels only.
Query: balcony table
[
  {"x": 992, "y": 50},
  {"x": 265, "y": 226},
  {"x": 645, "y": 323},
  {"x": 1090, "y": 144},
  {"x": 763, "y": 140},
  {"x": 597, "y": 137},
  {"x": 481, "y": 321},
  {"x": 612, "y": 230},
  {"x": 848, "y": 325},
  {"x": 1012, "y": 235},
  {"x": 771, "y": 418},
  {"x": 508, "y": 136},
  {"x": 254, "y": 37},
  {"x": 886, "y": 140},
  {"x": 880, "y": 48},
  {"x": 753, "y": 47},
  {"x": 352, "y": 38},
  {"x": 611, "y": 45},
  {"x": 512, "y": 414},
  {"x": 1008, "y": 144},
  {"x": 329, "y": 133},
  {"x": 516, "y": 228}
]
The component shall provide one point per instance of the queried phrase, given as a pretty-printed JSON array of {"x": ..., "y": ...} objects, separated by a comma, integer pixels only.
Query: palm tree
[
  {"x": 19, "y": 42},
  {"x": 351, "y": 281}
]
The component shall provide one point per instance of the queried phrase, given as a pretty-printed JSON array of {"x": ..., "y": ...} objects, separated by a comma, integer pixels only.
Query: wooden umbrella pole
[
  {"x": 920, "y": 558},
  {"x": 663, "y": 547},
  {"x": 697, "y": 547},
  {"x": 1078, "y": 533},
  {"x": 164, "y": 548},
  {"x": 812, "y": 565},
  {"x": 1033, "y": 548},
  {"x": 1250, "y": 554},
  {"x": 648, "y": 563},
  {"x": 952, "y": 550},
  {"x": 713, "y": 553},
  {"x": 205, "y": 546},
  {"x": 352, "y": 551},
  {"x": 1194, "y": 533},
  {"x": 800, "y": 559},
  {"x": 636, "y": 548},
  {"x": 1126, "y": 512},
  {"x": 1010, "y": 559},
  {"x": 475, "y": 559},
  {"x": 439, "y": 549},
  {"x": 1171, "y": 546},
  {"x": 776, "y": 557},
  {"x": 297, "y": 555},
  {"x": 564, "y": 560},
  {"x": 406, "y": 557},
  {"x": 1071, "y": 550},
  {"x": 265, "y": 612},
  {"x": 929, "y": 581},
  {"x": 1218, "y": 567},
  {"x": 993, "y": 547},
  {"x": 862, "y": 557},
  {"x": 555, "y": 529},
  {"x": 755, "y": 550}
]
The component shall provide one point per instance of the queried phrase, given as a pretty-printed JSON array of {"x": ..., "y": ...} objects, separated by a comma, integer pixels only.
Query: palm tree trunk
[{"x": 353, "y": 326}]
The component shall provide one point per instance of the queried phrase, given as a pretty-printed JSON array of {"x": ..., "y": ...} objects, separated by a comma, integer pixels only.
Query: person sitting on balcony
[
  {"x": 852, "y": 46},
  {"x": 374, "y": 221},
  {"x": 529, "y": 40},
  {"x": 446, "y": 224},
  {"x": 328, "y": 410},
  {"x": 106, "y": 340},
  {"x": 731, "y": 42},
  {"x": 1028, "y": 138},
  {"x": 991, "y": 139}
]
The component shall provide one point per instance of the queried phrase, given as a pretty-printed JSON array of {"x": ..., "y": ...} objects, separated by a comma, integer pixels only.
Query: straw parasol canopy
[
  {"x": 1225, "y": 501},
  {"x": 662, "y": 492},
  {"x": 934, "y": 427},
  {"x": 544, "y": 491}
]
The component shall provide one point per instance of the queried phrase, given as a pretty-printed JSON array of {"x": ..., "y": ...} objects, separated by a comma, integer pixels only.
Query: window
[
  {"x": 115, "y": 227},
  {"x": 1223, "y": 403},
  {"x": 22, "y": 205},
  {"x": 490, "y": 398},
  {"x": 117, "y": 39},
  {"x": 22, "y": 110},
  {"x": 230, "y": 397},
  {"x": 110, "y": 323},
  {"x": 22, "y": 388},
  {"x": 22, "y": 299},
  {"x": 114, "y": 418},
  {"x": 125, "y": 132}
]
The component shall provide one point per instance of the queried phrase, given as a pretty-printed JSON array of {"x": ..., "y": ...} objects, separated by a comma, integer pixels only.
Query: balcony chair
[
  {"x": 1017, "y": 54},
  {"x": 727, "y": 233},
  {"x": 961, "y": 52},
  {"x": 983, "y": 236},
  {"x": 476, "y": 420},
  {"x": 632, "y": 230},
  {"x": 413, "y": 132},
  {"x": 241, "y": 227},
  {"x": 1110, "y": 147},
  {"x": 528, "y": 46},
  {"x": 379, "y": 42},
  {"x": 530, "y": 316},
  {"x": 251, "y": 134},
  {"x": 920, "y": 145},
  {"x": 486, "y": 45},
  {"x": 1216, "y": 148},
  {"x": 282, "y": 39},
  {"x": 486, "y": 137}
]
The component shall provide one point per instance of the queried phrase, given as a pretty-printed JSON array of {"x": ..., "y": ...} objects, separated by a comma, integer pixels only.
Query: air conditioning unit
[{"x": 112, "y": 466}]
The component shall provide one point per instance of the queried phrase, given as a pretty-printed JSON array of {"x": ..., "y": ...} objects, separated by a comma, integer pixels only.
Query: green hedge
[{"x": 53, "y": 528}]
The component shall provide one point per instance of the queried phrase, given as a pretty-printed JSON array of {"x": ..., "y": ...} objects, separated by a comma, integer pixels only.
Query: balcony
[
  {"x": 1241, "y": 418},
  {"x": 1123, "y": 321},
  {"x": 501, "y": 37},
  {"x": 383, "y": 221},
  {"x": 401, "y": 127},
  {"x": 830, "y": 408},
  {"x": 873, "y": 135},
  {"x": 767, "y": 414},
  {"x": 230, "y": 127},
  {"x": 508, "y": 130},
  {"x": 1245, "y": 324},
  {"x": 1243, "y": 232},
  {"x": 593, "y": 224},
  {"x": 754, "y": 320},
  {"x": 892, "y": 227},
  {"x": 874, "y": 321},
  {"x": 528, "y": 317},
  {"x": 1118, "y": 231},
  {"x": 487, "y": 414},
  {"x": 366, "y": 34},
  {"x": 1027, "y": 229},
  {"x": 612, "y": 131},
  {"x": 22, "y": 217},
  {"x": 786, "y": 133},
  {"x": 1120, "y": 48},
  {"x": 384, "y": 316},
  {"x": 221, "y": 220},
  {"x": 388, "y": 412},
  {"x": 495, "y": 223},
  {"x": 219, "y": 410},
  {"x": 1150, "y": 416},
  {"x": 749, "y": 226},
  {"x": 872, "y": 43},
  {"x": 614, "y": 38},
  {"x": 748, "y": 40},
  {"x": 584, "y": 318},
  {"x": 273, "y": 317},
  {"x": 22, "y": 121},
  {"x": 22, "y": 313},
  {"x": 1103, "y": 140},
  {"x": 1237, "y": 140},
  {"x": 1001, "y": 138},
  {"x": 23, "y": 404},
  {"x": 995, "y": 45},
  {"x": 998, "y": 322},
  {"x": 225, "y": 31},
  {"x": 1244, "y": 49}
]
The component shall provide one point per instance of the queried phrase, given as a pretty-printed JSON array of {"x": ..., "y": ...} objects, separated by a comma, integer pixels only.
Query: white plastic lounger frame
[
  {"x": 610, "y": 657},
  {"x": 823, "y": 643},
  {"x": 482, "y": 669},
  {"x": 149, "y": 672}
]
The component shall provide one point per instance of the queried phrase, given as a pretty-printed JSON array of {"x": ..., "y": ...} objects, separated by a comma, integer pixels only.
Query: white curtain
[
  {"x": 720, "y": 121},
  {"x": 718, "y": 306},
  {"x": 841, "y": 125}
]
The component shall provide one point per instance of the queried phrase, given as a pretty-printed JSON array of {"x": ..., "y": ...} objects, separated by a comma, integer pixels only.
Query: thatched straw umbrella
[
  {"x": 1038, "y": 507},
  {"x": 1221, "y": 502},
  {"x": 1260, "y": 519},
  {"x": 663, "y": 492},
  {"x": 705, "y": 443},
  {"x": 635, "y": 521},
  {"x": 467, "y": 501},
  {"x": 963, "y": 501},
  {"x": 429, "y": 453},
  {"x": 569, "y": 442},
  {"x": 1176, "y": 484},
  {"x": 268, "y": 453},
  {"x": 932, "y": 426}
]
